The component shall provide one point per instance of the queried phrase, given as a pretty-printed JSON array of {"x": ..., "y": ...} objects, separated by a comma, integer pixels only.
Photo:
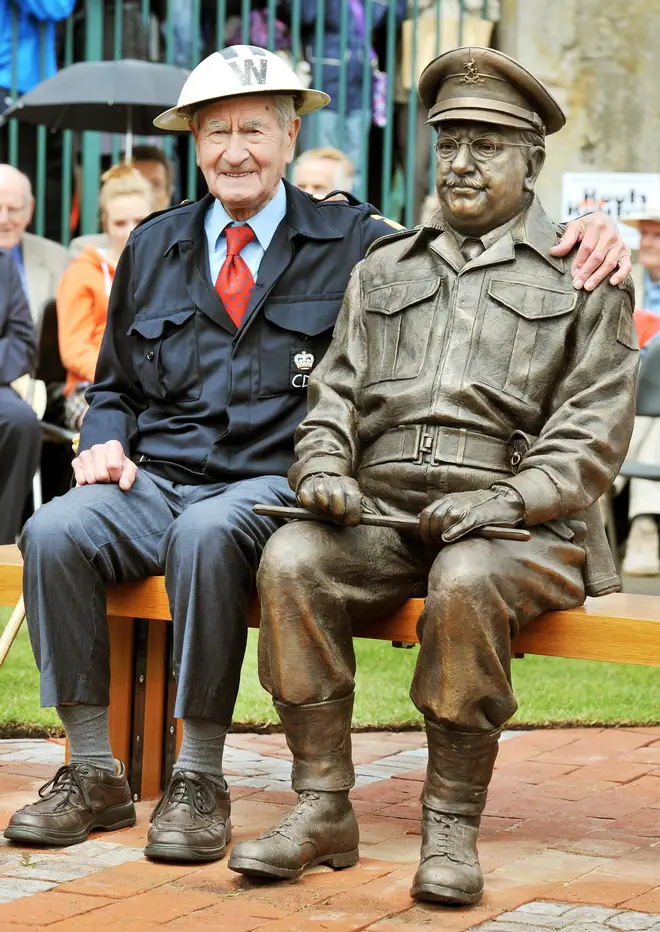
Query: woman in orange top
[{"x": 82, "y": 299}]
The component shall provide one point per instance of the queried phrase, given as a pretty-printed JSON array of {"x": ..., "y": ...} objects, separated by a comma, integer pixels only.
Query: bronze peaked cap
[{"x": 487, "y": 86}]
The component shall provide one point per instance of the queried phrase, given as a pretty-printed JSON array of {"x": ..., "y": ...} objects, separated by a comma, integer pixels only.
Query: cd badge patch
[{"x": 301, "y": 363}]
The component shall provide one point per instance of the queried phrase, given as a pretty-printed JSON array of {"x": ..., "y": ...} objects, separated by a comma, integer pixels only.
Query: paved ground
[{"x": 570, "y": 841}]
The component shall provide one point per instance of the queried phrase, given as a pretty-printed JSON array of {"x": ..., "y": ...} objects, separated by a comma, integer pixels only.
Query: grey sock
[
  {"x": 202, "y": 747},
  {"x": 87, "y": 729}
]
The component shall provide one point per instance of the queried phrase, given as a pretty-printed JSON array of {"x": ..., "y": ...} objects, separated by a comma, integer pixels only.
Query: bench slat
[{"x": 619, "y": 628}]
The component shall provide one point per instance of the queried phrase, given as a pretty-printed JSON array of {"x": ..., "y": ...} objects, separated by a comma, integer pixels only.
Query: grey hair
[
  {"x": 285, "y": 110},
  {"x": 532, "y": 137}
]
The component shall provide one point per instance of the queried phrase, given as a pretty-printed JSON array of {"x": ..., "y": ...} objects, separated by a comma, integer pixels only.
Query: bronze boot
[
  {"x": 321, "y": 828},
  {"x": 459, "y": 770}
]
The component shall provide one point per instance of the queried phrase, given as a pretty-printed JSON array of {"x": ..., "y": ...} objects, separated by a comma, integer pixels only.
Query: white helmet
[{"x": 238, "y": 70}]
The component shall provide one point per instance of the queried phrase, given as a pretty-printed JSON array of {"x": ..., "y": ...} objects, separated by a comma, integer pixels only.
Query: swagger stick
[
  {"x": 11, "y": 630},
  {"x": 411, "y": 525}
]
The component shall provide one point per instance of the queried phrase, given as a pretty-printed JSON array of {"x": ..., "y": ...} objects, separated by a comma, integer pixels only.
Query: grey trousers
[
  {"x": 20, "y": 449},
  {"x": 315, "y": 579},
  {"x": 204, "y": 538}
]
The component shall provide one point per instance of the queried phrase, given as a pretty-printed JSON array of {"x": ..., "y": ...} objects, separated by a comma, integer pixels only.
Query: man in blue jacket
[
  {"x": 219, "y": 311},
  {"x": 20, "y": 434}
]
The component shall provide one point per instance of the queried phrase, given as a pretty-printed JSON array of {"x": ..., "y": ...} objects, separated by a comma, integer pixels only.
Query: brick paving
[{"x": 570, "y": 841}]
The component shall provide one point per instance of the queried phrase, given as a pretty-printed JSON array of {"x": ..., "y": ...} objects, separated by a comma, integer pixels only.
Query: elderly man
[
  {"x": 642, "y": 557},
  {"x": 467, "y": 384},
  {"x": 219, "y": 311},
  {"x": 321, "y": 171},
  {"x": 40, "y": 262},
  {"x": 20, "y": 434}
]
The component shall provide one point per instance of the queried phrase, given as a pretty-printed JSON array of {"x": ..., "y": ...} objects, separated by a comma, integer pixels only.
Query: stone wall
[{"x": 601, "y": 59}]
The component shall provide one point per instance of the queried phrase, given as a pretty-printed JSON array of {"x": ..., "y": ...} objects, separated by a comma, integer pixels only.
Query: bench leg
[
  {"x": 122, "y": 643},
  {"x": 138, "y": 679}
]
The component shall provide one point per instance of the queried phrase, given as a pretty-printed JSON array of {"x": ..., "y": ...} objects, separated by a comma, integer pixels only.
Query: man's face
[
  {"x": 156, "y": 174},
  {"x": 243, "y": 152},
  {"x": 482, "y": 187},
  {"x": 649, "y": 246},
  {"x": 16, "y": 208},
  {"x": 316, "y": 177}
]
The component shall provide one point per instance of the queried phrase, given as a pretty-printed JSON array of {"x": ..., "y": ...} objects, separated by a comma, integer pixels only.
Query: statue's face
[{"x": 483, "y": 174}]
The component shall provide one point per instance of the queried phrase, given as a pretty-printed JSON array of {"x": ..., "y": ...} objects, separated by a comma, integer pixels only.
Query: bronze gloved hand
[
  {"x": 458, "y": 513},
  {"x": 338, "y": 496}
]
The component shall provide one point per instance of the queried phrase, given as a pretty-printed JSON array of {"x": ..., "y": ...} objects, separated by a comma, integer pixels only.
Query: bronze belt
[{"x": 431, "y": 443}]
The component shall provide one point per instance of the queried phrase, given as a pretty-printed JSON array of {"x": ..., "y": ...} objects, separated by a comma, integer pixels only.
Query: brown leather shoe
[
  {"x": 191, "y": 822},
  {"x": 449, "y": 870},
  {"x": 320, "y": 829},
  {"x": 77, "y": 800}
]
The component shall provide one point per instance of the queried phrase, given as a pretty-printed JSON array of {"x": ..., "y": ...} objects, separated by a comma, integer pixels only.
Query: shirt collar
[
  {"x": 532, "y": 227},
  {"x": 17, "y": 254},
  {"x": 487, "y": 239},
  {"x": 264, "y": 222}
]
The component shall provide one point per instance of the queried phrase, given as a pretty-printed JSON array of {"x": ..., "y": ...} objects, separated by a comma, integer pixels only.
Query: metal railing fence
[{"x": 394, "y": 162}]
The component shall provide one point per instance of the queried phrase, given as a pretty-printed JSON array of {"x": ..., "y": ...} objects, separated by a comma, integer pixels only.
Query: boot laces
[
  {"x": 185, "y": 790},
  {"x": 446, "y": 838},
  {"x": 66, "y": 783},
  {"x": 298, "y": 814}
]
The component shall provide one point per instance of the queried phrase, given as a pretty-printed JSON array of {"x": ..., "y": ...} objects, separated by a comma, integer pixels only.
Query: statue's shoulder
[{"x": 392, "y": 242}]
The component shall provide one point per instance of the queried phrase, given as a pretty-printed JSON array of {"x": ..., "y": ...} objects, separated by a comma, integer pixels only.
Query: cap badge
[
  {"x": 304, "y": 361},
  {"x": 471, "y": 75}
]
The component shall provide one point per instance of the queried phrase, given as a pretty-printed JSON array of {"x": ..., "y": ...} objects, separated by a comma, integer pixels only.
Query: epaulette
[
  {"x": 165, "y": 210},
  {"x": 390, "y": 238}
]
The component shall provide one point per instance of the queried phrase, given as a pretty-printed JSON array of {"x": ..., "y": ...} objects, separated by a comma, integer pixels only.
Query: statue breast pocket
[
  {"x": 399, "y": 320},
  {"x": 521, "y": 336}
]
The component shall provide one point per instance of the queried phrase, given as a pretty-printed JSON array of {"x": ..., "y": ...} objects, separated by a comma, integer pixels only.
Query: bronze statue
[{"x": 467, "y": 383}]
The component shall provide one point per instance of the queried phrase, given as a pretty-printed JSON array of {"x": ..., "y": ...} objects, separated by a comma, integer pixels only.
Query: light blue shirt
[
  {"x": 264, "y": 223},
  {"x": 651, "y": 294}
]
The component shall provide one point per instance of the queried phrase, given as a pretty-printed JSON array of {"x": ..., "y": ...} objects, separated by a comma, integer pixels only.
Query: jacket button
[{"x": 150, "y": 355}]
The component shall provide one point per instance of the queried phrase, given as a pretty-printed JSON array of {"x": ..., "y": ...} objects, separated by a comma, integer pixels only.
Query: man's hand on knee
[
  {"x": 337, "y": 496},
  {"x": 458, "y": 513},
  {"x": 105, "y": 462}
]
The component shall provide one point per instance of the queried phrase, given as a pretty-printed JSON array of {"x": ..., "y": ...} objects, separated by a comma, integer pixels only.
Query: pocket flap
[
  {"x": 152, "y": 327},
  {"x": 532, "y": 301},
  {"x": 393, "y": 297},
  {"x": 308, "y": 317}
]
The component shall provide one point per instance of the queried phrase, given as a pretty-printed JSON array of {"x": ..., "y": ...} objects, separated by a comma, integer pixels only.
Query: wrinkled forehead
[{"x": 234, "y": 111}]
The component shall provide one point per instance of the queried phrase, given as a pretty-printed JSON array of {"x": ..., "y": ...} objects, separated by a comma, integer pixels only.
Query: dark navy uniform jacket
[
  {"x": 18, "y": 341},
  {"x": 186, "y": 393}
]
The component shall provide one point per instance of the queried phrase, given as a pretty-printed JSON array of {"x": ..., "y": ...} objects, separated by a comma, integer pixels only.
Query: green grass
[{"x": 549, "y": 690}]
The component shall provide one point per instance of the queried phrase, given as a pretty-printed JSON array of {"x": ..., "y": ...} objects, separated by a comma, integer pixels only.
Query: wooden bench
[{"x": 619, "y": 628}]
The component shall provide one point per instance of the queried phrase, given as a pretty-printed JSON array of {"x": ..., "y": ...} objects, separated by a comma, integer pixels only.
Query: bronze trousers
[{"x": 314, "y": 579}]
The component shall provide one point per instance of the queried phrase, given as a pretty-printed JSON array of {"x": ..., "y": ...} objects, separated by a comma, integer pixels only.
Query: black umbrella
[{"x": 121, "y": 96}]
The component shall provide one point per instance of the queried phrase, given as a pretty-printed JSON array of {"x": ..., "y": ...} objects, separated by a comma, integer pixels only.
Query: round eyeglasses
[{"x": 482, "y": 149}]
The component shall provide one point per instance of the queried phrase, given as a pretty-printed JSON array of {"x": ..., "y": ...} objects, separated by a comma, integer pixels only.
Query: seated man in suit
[
  {"x": 20, "y": 435},
  {"x": 40, "y": 262}
]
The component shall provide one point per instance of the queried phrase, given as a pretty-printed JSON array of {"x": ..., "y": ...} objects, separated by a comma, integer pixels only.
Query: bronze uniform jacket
[{"x": 496, "y": 361}]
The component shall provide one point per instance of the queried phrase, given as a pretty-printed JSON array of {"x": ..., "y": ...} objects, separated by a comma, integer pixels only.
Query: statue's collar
[{"x": 532, "y": 228}]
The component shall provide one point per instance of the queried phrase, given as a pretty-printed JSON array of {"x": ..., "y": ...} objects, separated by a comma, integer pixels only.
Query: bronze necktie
[{"x": 472, "y": 249}]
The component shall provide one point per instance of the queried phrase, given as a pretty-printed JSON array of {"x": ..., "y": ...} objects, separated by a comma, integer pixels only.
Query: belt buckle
[{"x": 425, "y": 446}]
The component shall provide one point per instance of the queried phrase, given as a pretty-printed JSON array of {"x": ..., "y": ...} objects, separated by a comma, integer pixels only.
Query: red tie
[{"x": 234, "y": 282}]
